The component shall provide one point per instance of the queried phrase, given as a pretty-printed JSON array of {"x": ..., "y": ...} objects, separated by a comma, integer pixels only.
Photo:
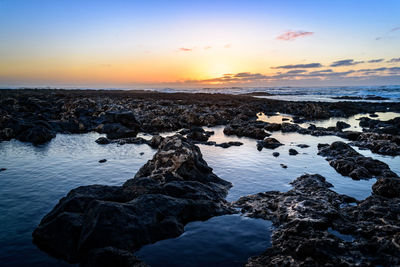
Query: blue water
[
  {"x": 221, "y": 241},
  {"x": 37, "y": 177}
]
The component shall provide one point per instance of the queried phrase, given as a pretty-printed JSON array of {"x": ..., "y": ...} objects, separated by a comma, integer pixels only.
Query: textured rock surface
[
  {"x": 93, "y": 223},
  {"x": 349, "y": 162},
  {"x": 306, "y": 217}
]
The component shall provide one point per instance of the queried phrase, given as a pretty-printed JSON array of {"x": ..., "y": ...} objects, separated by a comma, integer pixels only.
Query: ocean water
[
  {"x": 391, "y": 93},
  {"x": 37, "y": 177}
]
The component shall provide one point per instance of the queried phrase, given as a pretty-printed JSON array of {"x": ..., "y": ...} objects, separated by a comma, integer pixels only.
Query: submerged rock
[{"x": 97, "y": 222}]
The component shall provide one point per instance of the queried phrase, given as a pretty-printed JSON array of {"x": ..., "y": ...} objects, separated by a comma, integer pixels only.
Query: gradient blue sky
[{"x": 198, "y": 43}]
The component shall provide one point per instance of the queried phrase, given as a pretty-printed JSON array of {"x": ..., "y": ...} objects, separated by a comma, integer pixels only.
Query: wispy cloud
[
  {"x": 375, "y": 60},
  {"x": 387, "y": 34},
  {"x": 292, "y": 35},
  {"x": 184, "y": 49},
  {"x": 394, "y": 60},
  {"x": 345, "y": 62},
  {"x": 299, "y": 66}
]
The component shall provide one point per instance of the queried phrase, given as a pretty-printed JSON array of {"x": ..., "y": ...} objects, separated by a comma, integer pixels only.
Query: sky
[{"x": 199, "y": 43}]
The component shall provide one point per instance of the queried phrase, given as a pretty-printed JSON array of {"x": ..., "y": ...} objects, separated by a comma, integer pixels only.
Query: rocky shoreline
[{"x": 104, "y": 225}]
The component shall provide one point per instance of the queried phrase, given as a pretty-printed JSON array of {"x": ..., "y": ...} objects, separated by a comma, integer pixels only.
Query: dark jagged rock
[
  {"x": 293, "y": 152},
  {"x": 268, "y": 142},
  {"x": 102, "y": 140},
  {"x": 348, "y": 162},
  {"x": 37, "y": 135},
  {"x": 102, "y": 161},
  {"x": 229, "y": 144},
  {"x": 275, "y": 154},
  {"x": 3, "y": 169},
  {"x": 96, "y": 222},
  {"x": 199, "y": 134},
  {"x": 289, "y": 127},
  {"x": 254, "y": 130},
  {"x": 384, "y": 144},
  {"x": 155, "y": 141},
  {"x": 340, "y": 125},
  {"x": 304, "y": 216},
  {"x": 117, "y": 130}
]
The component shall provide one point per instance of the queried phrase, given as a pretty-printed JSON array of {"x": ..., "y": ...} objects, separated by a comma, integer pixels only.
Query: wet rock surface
[
  {"x": 36, "y": 116},
  {"x": 305, "y": 216},
  {"x": 107, "y": 223},
  {"x": 268, "y": 142},
  {"x": 348, "y": 162}
]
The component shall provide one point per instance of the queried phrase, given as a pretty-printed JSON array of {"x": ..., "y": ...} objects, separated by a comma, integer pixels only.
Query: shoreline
[{"x": 37, "y": 116}]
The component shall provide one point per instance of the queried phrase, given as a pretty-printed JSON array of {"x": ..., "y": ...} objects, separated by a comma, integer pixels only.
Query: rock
[
  {"x": 126, "y": 118},
  {"x": 3, "y": 169},
  {"x": 198, "y": 134},
  {"x": 102, "y": 160},
  {"x": 155, "y": 141},
  {"x": 387, "y": 187},
  {"x": 102, "y": 140},
  {"x": 116, "y": 131},
  {"x": 37, "y": 135},
  {"x": 303, "y": 145},
  {"x": 247, "y": 130},
  {"x": 384, "y": 144},
  {"x": 305, "y": 216},
  {"x": 293, "y": 152},
  {"x": 283, "y": 166},
  {"x": 351, "y": 135},
  {"x": 348, "y": 162},
  {"x": 340, "y": 125},
  {"x": 268, "y": 142},
  {"x": 101, "y": 223},
  {"x": 289, "y": 127},
  {"x": 275, "y": 154},
  {"x": 229, "y": 144}
]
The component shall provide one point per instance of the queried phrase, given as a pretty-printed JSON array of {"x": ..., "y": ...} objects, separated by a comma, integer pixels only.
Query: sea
[{"x": 36, "y": 177}]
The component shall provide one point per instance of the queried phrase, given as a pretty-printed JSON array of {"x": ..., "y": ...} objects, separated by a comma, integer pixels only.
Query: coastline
[{"x": 38, "y": 115}]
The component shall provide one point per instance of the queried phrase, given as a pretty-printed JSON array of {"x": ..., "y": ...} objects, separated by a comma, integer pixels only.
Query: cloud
[
  {"x": 227, "y": 46},
  {"x": 184, "y": 49},
  {"x": 299, "y": 66},
  {"x": 387, "y": 34},
  {"x": 375, "y": 60},
  {"x": 346, "y": 62},
  {"x": 292, "y": 35},
  {"x": 394, "y": 60}
]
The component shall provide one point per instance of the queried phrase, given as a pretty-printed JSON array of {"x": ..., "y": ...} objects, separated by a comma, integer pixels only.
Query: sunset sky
[{"x": 199, "y": 43}]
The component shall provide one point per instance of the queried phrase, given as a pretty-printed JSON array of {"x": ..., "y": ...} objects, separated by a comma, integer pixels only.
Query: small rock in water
[
  {"x": 283, "y": 166},
  {"x": 293, "y": 152},
  {"x": 303, "y": 145},
  {"x": 285, "y": 119},
  {"x": 102, "y": 141},
  {"x": 141, "y": 153},
  {"x": 275, "y": 154},
  {"x": 102, "y": 160},
  {"x": 2, "y": 169},
  {"x": 373, "y": 115}
]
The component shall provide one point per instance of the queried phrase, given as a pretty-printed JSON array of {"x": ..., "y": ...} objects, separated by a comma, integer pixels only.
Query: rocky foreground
[
  {"x": 314, "y": 226},
  {"x": 103, "y": 225}
]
